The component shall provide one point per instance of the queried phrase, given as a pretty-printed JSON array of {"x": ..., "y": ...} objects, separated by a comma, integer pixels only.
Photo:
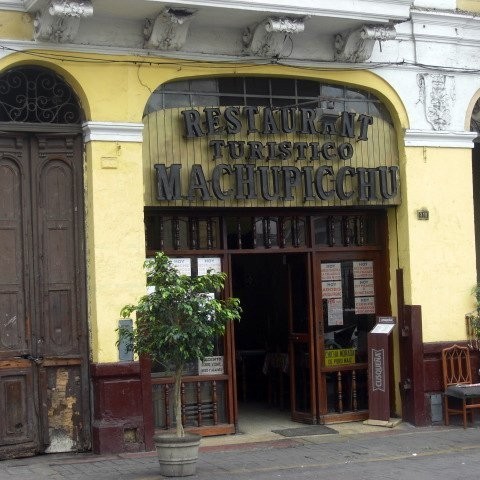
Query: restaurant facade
[{"x": 321, "y": 158}]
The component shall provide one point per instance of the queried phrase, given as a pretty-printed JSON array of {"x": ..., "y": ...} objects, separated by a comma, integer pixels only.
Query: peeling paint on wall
[{"x": 61, "y": 413}]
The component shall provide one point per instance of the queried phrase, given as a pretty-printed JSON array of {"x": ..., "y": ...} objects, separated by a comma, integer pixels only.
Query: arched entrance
[
  {"x": 44, "y": 399},
  {"x": 249, "y": 175}
]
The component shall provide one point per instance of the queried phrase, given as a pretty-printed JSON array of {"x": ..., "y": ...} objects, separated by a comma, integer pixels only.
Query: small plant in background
[
  {"x": 178, "y": 320},
  {"x": 473, "y": 321}
]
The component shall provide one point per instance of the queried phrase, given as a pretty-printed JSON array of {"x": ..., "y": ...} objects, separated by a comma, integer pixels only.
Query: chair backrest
[{"x": 456, "y": 366}]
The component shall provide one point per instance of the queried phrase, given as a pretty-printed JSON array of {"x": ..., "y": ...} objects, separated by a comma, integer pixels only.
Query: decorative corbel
[
  {"x": 270, "y": 37},
  {"x": 169, "y": 30},
  {"x": 60, "y": 20},
  {"x": 357, "y": 45}
]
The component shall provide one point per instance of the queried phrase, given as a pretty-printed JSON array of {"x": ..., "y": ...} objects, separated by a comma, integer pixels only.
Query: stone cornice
[
  {"x": 446, "y": 27},
  {"x": 365, "y": 10},
  {"x": 16, "y": 5},
  {"x": 112, "y": 132},
  {"x": 444, "y": 139}
]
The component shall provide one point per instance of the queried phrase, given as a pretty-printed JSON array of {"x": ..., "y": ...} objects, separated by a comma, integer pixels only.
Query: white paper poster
[
  {"x": 211, "y": 263},
  {"x": 383, "y": 328},
  {"x": 331, "y": 272},
  {"x": 363, "y": 269},
  {"x": 331, "y": 290},
  {"x": 211, "y": 366},
  {"x": 335, "y": 311},
  {"x": 363, "y": 287},
  {"x": 183, "y": 265},
  {"x": 364, "y": 305}
]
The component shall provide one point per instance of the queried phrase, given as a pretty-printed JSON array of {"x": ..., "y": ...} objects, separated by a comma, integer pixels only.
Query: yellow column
[
  {"x": 438, "y": 254},
  {"x": 115, "y": 238}
]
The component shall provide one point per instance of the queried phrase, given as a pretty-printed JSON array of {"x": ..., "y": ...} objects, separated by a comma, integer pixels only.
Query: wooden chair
[{"x": 457, "y": 383}]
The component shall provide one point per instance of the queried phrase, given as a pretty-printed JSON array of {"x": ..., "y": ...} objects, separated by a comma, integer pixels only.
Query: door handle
[{"x": 27, "y": 356}]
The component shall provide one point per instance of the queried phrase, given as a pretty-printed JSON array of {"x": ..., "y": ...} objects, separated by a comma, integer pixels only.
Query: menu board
[
  {"x": 364, "y": 305},
  {"x": 363, "y": 287},
  {"x": 331, "y": 290},
  {"x": 335, "y": 311},
  {"x": 383, "y": 328},
  {"x": 331, "y": 272},
  {"x": 211, "y": 366},
  {"x": 183, "y": 265},
  {"x": 363, "y": 269},
  {"x": 209, "y": 263}
]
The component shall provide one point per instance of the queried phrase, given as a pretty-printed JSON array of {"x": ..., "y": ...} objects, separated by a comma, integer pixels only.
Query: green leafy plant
[
  {"x": 178, "y": 320},
  {"x": 473, "y": 320}
]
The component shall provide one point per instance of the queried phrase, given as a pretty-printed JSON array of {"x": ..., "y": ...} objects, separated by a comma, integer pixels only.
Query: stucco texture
[{"x": 438, "y": 255}]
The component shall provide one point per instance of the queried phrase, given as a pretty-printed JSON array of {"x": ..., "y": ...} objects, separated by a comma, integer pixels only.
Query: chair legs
[
  {"x": 445, "y": 407},
  {"x": 464, "y": 412}
]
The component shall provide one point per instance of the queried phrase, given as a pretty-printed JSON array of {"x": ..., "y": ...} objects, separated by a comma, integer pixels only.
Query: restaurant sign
[{"x": 265, "y": 156}]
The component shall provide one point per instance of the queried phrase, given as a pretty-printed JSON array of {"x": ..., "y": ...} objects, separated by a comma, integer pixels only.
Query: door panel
[
  {"x": 12, "y": 255},
  {"x": 300, "y": 340},
  {"x": 352, "y": 290},
  {"x": 63, "y": 370},
  {"x": 16, "y": 401},
  {"x": 56, "y": 204},
  {"x": 43, "y": 358},
  {"x": 18, "y": 396}
]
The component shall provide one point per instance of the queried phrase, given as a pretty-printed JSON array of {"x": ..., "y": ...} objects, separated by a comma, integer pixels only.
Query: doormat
[{"x": 304, "y": 431}]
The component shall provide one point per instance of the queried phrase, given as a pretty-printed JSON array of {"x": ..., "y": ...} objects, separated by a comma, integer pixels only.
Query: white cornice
[
  {"x": 366, "y": 10},
  {"x": 16, "y": 5},
  {"x": 430, "y": 138},
  {"x": 446, "y": 27},
  {"x": 112, "y": 132},
  {"x": 443, "y": 17}
]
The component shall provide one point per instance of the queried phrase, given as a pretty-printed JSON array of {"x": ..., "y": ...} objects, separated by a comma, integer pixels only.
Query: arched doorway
[
  {"x": 308, "y": 261},
  {"x": 44, "y": 399}
]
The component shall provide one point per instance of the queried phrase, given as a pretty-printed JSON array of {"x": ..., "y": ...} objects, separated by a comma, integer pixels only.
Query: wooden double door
[
  {"x": 44, "y": 394},
  {"x": 307, "y": 316}
]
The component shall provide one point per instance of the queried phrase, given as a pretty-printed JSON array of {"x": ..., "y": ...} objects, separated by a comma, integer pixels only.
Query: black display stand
[{"x": 379, "y": 372}]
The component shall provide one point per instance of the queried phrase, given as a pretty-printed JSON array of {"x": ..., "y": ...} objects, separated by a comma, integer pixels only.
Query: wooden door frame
[
  {"x": 312, "y": 251},
  {"x": 304, "y": 417},
  {"x": 81, "y": 360},
  {"x": 28, "y": 135},
  {"x": 382, "y": 305}
]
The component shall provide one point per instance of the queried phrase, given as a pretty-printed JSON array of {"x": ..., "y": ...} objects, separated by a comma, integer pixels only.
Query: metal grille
[
  {"x": 37, "y": 95},
  {"x": 263, "y": 91}
]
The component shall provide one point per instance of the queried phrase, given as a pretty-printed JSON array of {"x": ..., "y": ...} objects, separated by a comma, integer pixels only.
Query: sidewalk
[{"x": 356, "y": 452}]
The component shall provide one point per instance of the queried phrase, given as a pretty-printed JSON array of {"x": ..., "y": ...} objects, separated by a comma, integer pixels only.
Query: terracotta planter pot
[{"x": 177, "y": 455}]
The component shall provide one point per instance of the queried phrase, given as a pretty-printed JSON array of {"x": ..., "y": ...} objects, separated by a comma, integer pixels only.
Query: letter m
[{"x": 168, "y": 181}]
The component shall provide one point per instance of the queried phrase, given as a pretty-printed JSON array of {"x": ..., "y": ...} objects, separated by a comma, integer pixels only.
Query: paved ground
[{"x": 404, "y": 452}]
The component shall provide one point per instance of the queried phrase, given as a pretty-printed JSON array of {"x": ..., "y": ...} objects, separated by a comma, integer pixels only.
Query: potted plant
[
  {"x": 177, "y": 321},
  {"x": 473, "y": 321}
]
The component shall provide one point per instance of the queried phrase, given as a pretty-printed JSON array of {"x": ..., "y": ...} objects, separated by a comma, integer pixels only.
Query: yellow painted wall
[
  {"x": 16, "y": 26},
  {"x": 115, "y": 238},
  {"x": 469, "y": 5},
  {"x": 435, "y": 255},
  {"x": 116, "y": 89},
  {"x": 438, "y": 255}
]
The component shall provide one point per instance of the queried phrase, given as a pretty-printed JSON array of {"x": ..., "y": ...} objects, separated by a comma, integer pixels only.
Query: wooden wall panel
[{"x": 165, "y": 143}]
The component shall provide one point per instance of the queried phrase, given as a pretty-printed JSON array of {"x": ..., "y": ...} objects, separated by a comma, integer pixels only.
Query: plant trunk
[{"x": 177, "y": 395}]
